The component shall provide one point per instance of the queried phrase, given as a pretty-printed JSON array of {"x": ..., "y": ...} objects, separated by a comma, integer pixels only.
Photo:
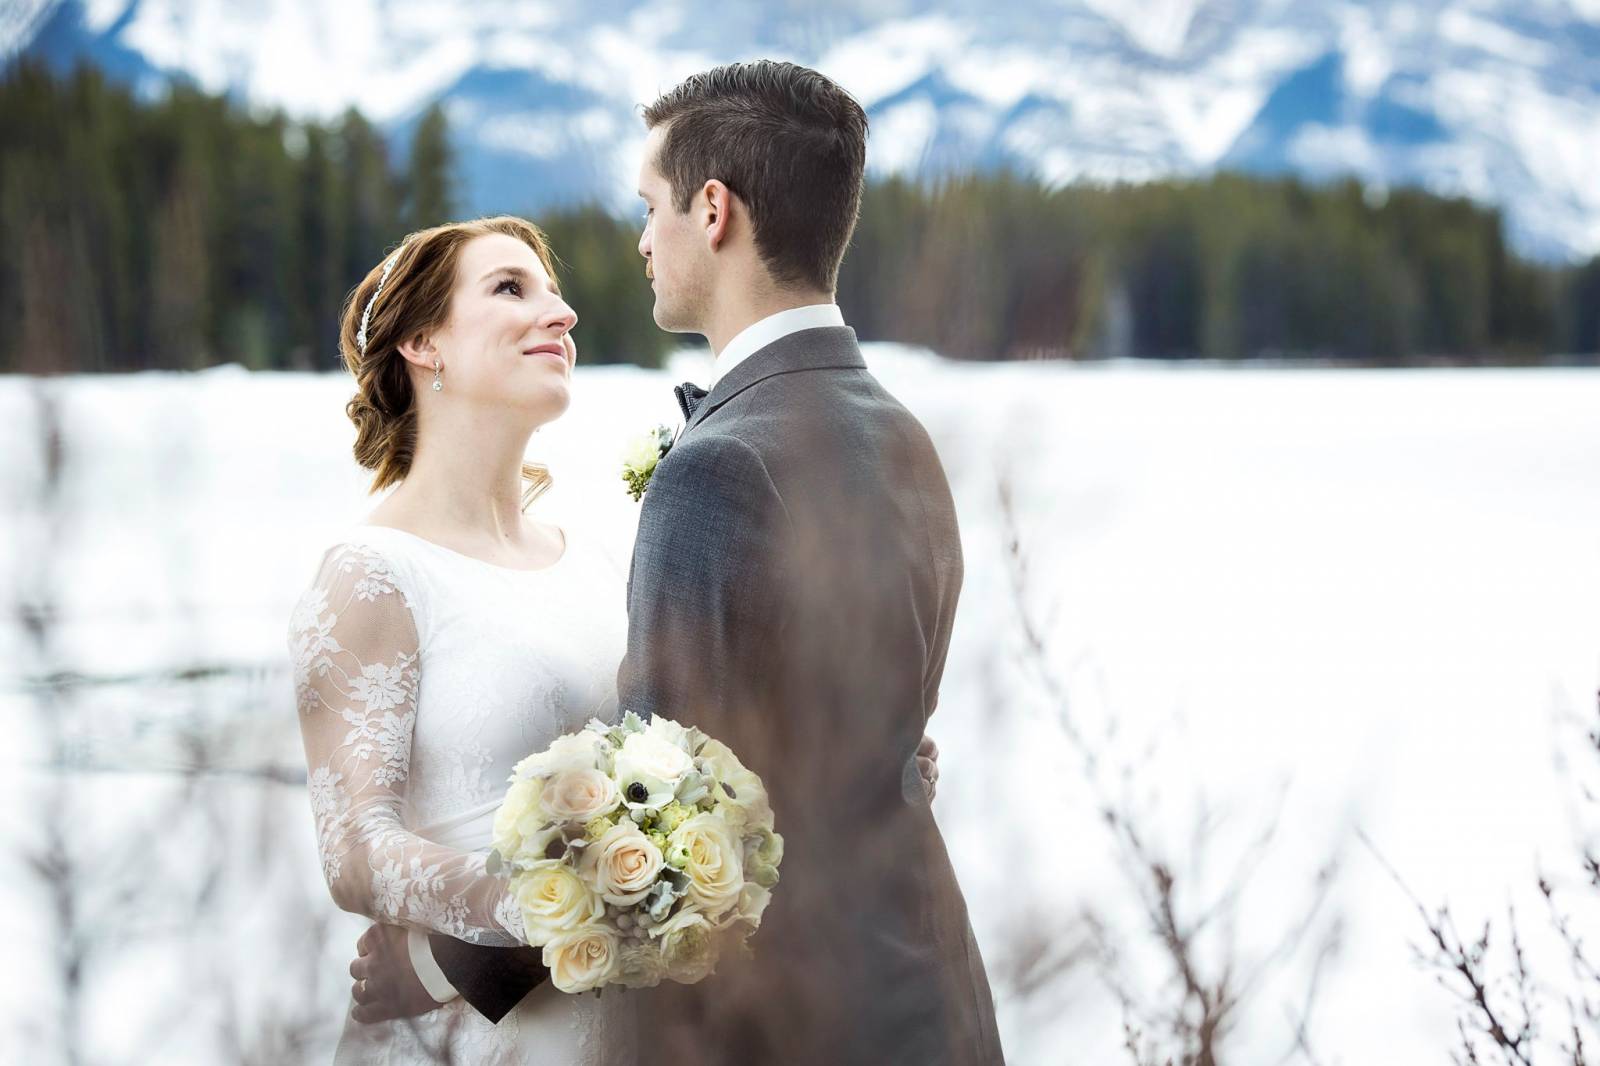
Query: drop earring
[{"x": 437, "y": 385}]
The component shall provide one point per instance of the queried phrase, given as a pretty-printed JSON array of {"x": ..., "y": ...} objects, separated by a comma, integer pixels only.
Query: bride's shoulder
[
  {"x": 371, "y": 561},
  {"x": 364, "y": 595},
  {"x": 375, "y": 543}
]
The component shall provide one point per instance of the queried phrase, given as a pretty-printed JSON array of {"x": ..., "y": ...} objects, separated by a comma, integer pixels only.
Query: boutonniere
[{"x": 644, "y": 454}]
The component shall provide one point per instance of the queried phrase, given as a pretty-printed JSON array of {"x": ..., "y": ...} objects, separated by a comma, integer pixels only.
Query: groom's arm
[
  {"x": 397, "y": 975},
  {"x": 491, "y": 980}
]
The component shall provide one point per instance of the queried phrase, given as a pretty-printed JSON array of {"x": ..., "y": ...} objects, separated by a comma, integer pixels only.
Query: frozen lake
[{"x": 1339, "y": 599}]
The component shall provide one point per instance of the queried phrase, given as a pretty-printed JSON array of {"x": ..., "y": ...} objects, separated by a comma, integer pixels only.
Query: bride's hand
[
  {"x": 386, "y": 987},
  {"x": 928, "y": 765}
]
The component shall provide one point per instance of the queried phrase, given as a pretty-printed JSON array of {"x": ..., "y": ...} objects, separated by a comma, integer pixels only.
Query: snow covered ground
[{"x": 1346, "y": 599}]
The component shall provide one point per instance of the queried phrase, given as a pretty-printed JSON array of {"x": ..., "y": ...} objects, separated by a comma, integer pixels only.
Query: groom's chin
[{"x": 669, "y": 322}]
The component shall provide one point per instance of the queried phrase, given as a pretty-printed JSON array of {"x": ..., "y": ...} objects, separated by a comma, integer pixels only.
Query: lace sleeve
[{"x": 355, "y": 650}]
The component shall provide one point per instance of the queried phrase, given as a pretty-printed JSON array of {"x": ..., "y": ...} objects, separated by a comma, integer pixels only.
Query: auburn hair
[{"x": 415, "y": 300}]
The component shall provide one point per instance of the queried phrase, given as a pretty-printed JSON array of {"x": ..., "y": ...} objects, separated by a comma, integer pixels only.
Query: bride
[{"x": 451, "y": 634}]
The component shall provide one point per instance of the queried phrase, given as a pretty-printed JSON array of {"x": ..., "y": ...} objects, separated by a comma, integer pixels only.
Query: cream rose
[
  {"x": 622, "y": 865},
  {"x": 687, "y": 946},
  {"x": 714, "y": 868},
  {"x": 577, "y": 795},
  {"x": 658, "y": 765},
  {"x": 554, "y": 900},
  {"x": 583, "y": 958},
  {"x": 748, "y": 807}
]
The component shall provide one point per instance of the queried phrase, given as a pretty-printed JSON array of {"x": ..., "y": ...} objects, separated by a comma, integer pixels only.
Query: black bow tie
[{"x": 689, "y": 396}]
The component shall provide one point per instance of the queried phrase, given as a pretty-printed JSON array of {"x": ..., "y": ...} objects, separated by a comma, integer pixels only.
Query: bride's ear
[{"x": 419, "y": 351}]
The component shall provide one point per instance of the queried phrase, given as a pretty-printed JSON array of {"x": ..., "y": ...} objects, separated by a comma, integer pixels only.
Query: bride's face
[{"x": 507, "y": 342}]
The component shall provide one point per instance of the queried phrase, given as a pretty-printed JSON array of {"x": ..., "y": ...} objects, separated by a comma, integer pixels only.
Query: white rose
[
  {"x": 622, "y": 865},
  {"x": 671, "y": 732},
  {"x": 744, "y": 919},
  {"x": 753, "y": 900},
  {"x": 646, "y": 759},
  {"x": 643, "y": 452},
  {"x": 578, "y": 795},
  {"x": 687, "y": 946},
  {"x": 641, "y": 965},
  {"x": 715, "y": 871},
  {"x": 582, "y": 959},
  {"x": 749, "y": 806},
  {"x": 571, "y": 751},
  {"x": 554, "y": 901},
  {"x": 519, "y": 835}
]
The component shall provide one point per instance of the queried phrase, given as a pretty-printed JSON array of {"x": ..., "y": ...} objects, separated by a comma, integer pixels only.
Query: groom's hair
[{"x": 790, "y": 143}]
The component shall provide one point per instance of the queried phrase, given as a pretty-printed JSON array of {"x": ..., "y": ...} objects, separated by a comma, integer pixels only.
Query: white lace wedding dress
[{"x": 422, "y": 676}]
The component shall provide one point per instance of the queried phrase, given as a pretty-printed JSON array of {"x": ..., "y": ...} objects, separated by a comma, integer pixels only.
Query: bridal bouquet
[{"x": 637, "y": 853}]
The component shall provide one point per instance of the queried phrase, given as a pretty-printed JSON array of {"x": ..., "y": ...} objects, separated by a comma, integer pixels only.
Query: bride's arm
[{"x": 354, "y": 645}]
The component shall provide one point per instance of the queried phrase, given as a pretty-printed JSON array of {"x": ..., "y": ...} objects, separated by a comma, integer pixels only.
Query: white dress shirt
[
  {"x": 759, "y": 334},
  {"x": 427, "y": 968}
]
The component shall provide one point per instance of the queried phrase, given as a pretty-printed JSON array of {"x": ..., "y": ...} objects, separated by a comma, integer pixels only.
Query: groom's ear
[{"x": 716, "y": 212}]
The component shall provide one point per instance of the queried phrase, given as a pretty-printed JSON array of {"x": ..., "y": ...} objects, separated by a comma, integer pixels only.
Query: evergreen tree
[
  {"x": 428, "y": 180},
  {"x": 1582, "y": 314},
  {"x": 184, "y": 230},
  {"x": 602, "y": 278}
]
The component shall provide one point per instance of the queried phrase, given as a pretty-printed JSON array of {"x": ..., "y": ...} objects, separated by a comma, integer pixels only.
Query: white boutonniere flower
[{"x": 642, "y": 456}]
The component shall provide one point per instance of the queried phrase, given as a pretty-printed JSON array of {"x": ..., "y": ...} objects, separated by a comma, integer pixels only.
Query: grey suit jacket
[{"x": 792, "y": 591}]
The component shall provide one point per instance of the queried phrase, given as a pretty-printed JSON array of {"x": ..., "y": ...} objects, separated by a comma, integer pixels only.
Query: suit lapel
[{"x": 819, "y": 348}]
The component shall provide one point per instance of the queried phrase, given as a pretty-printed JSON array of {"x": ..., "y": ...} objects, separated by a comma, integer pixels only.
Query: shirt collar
[{"x": 758, "y": 335}]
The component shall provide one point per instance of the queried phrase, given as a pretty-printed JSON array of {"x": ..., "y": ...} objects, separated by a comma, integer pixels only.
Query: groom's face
[{"x": 676, "y": 258}]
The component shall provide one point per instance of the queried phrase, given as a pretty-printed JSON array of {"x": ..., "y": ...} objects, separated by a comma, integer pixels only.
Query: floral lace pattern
[{"x": 354, "y": 645}]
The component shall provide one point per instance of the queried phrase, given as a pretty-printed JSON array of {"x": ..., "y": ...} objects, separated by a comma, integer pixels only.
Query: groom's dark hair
[{"x": 784, "y": 139}]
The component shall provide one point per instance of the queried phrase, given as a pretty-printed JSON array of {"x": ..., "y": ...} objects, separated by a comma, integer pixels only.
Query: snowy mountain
[{"x": 1487, "y": 98}]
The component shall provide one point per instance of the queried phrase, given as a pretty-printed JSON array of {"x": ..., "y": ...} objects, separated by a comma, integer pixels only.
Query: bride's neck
[{"x": 467, "y": 483}]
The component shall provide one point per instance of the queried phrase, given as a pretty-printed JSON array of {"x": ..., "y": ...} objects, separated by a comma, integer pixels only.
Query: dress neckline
[{"x": 566, "y": 550}]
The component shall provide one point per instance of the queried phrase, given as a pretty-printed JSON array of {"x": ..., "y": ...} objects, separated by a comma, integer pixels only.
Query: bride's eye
[{"x": 510, "y": 283}]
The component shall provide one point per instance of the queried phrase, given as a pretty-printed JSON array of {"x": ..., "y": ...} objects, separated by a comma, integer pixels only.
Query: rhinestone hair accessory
[{"x": 366, "y": 313}]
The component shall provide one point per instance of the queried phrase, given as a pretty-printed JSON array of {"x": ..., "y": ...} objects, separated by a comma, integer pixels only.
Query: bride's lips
[{"x": 548, "y": 349}]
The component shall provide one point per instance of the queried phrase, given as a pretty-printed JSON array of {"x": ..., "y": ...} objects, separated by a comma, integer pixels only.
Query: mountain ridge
[{"x": 1496, "y": 101}]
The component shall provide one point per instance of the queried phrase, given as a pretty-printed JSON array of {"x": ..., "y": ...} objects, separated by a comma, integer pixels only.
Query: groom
[{"x": 793, "y": 587}]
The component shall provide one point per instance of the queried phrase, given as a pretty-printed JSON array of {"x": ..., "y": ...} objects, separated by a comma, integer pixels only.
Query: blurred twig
[
  {"x": 1187, "y": 1018},
  {"x": 1500, "y": 999}
]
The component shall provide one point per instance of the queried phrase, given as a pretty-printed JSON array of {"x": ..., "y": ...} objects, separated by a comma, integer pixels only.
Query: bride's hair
[{"x": 415, "y": 299}]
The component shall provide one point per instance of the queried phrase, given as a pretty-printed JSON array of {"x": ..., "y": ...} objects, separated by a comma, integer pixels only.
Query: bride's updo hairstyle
[{"x": 414, "y": 300}]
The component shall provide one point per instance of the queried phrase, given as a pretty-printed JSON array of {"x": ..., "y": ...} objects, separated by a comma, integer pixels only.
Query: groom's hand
[
  {"x": 928, "y": 765},
  {"x": 386, "y": 987}
]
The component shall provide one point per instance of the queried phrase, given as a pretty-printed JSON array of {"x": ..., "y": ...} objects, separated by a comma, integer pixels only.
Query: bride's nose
[{"x": 558, "y": 316}]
